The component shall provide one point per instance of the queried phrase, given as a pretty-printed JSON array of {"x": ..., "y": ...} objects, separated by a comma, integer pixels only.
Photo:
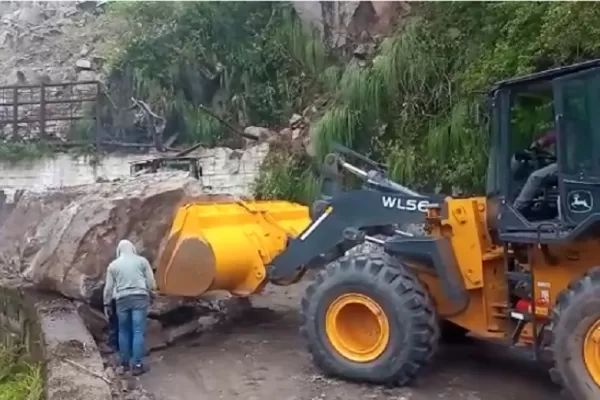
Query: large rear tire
[
  {"x": 575, "y": 333},
  {"x": 367, "y": 321}
]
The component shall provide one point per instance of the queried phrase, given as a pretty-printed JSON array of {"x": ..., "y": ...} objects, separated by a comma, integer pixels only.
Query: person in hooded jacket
[{"x": 130, "y": 281}]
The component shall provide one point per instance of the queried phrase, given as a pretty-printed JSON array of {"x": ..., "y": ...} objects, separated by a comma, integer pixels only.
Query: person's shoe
[
  {"x": 139, "y": 369},
  {"x": 123, "y": 369}
]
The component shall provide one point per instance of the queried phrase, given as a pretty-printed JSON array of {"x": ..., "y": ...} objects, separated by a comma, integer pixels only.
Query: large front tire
[
  {"x": 575, "y": 332},
  {"x": 367, "y": 321}
]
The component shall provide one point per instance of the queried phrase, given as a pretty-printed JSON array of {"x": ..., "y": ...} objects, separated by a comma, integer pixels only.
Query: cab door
[{"x": 577, "y": 106}]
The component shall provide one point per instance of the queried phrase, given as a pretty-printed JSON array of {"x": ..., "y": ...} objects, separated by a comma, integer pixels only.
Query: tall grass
[
  {"x": 418, "y": 105},
  {"x": 19, "y": 380},
  {"x": 404, "y": 109},
  {"x": 287, "y": 176}
]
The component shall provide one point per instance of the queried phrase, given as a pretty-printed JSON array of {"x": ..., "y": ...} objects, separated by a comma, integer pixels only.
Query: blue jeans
[{"x": 132, "y": 329}]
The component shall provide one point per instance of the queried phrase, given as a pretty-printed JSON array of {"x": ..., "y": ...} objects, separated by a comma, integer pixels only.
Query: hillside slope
[{"x": 43, "y": 40}]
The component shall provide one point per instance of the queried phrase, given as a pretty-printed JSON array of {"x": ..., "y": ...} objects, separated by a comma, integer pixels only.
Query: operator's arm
[{"x": 109, "y": 286}]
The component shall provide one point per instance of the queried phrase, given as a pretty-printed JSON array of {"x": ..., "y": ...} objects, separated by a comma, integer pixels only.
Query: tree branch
[
  {"x": 157, "y": 129},
  {"x": 227, "y": 124}
]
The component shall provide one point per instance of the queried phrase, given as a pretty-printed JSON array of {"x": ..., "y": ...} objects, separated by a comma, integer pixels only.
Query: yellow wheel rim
[
  {"x": 357, "y": 327},
  {"x": 591, "y": 352}
]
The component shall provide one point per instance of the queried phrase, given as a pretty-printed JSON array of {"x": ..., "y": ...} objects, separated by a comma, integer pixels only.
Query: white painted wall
[{"x": 225, "y": 170}]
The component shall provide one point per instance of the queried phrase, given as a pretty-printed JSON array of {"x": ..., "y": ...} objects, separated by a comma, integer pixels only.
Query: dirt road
[{"x": 264, "y": 358}]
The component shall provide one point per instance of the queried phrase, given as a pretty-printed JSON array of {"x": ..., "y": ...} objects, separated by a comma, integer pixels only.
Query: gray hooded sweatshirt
[{"x": 129, "y": 274}]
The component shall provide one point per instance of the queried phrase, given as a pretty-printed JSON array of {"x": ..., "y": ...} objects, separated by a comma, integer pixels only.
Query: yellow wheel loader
[{"x": 522, "y": 276}]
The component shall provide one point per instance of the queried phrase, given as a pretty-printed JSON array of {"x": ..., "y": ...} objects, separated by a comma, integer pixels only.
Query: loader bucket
[{"x": 226, "y": 245}]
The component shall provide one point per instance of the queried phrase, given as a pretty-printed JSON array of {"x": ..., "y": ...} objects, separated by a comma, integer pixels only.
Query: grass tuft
[{"x": 19, "y": 380}]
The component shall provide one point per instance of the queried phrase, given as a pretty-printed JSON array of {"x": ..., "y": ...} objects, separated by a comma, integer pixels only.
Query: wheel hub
[
  {"x": 357, "y": 327},
  {"x": 591, "y": 352}
]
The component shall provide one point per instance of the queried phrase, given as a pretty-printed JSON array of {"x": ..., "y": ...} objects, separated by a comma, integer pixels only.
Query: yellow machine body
[
  {"x": 536, "y": 293},
  {"x": 229, "y": 246},
  {"x": 482, "y": 265},
  {"x": 226, "y": 245}
]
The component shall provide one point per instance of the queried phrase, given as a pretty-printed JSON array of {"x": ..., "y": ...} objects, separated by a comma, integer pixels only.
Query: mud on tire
[
  {"x": 576, "y": 311},
  {"x": 413, "y": 326}
]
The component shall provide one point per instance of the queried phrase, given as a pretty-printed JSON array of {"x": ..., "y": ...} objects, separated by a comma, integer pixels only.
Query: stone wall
[
  {"x": 52, "y": 333},
  {"x": 224, "y": 170},
  {"x": 19, "y": 326},
  {"x": 228, "y": 171},
  {"x": 74, "y": 366}
]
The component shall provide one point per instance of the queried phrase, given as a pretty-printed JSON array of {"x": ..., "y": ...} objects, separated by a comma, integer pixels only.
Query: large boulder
[{"x": 63, "y": 240}]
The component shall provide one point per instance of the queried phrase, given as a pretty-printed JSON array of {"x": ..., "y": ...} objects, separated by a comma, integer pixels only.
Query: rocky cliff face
[
  {"x": 350, "y": 27},
  {"x": 43, "y": 41},
  {"x": 66, "y": 40}
]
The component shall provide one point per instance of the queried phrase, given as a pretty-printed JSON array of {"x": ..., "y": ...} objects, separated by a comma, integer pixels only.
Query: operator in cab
[{"x": 535, "y": 180}]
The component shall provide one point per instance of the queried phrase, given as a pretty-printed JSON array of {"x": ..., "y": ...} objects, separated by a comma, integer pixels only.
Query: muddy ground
[{"x": 263, "y": 357}]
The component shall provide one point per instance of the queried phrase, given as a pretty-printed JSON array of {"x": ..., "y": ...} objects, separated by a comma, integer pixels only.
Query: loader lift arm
[{"x": 344, "y": 219}]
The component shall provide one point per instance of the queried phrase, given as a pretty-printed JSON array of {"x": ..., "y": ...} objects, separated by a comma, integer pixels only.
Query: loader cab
[{"x": 566, "y": 203}]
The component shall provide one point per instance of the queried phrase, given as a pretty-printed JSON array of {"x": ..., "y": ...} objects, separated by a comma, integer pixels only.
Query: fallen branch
[
  {"x": 171, "y": 139},
  {"x": 95, "y": 375},
  {"x": 157, "y": 129},
  {"x": 112, "y": 103},
  {"x": 87, "y": 370},
  {"x": 227, "y": 124},
  {"x": 187, "y": 151},
  {"x": 146, "y": 108}
]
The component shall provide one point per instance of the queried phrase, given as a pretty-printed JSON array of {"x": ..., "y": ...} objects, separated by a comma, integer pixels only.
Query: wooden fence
[{"x": 46, "y": 110}]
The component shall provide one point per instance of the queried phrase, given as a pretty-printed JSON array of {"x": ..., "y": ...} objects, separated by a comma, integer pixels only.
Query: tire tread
[
  {"x": 407, "y": 290},
  {"x": 565, "y": 300}
]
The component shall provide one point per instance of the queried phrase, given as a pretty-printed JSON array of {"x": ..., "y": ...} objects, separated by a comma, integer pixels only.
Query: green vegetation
[
  {"x": 419, "y": 104},
  {"x": 285, "y": 175},
  {"x": 21, "y": 151},
  {"x": 249, "y": 62},
  {"x": 424, "y": 88},
  {"x": 19, "y": 380}
]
